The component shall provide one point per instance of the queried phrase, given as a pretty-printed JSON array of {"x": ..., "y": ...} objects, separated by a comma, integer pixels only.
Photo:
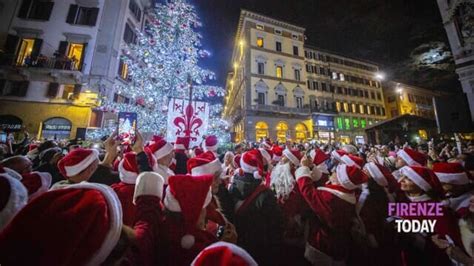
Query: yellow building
[{"x": 403, "y": 99}]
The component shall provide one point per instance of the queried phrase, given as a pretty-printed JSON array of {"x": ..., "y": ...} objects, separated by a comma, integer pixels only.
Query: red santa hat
[
  {"x": 13, "y": 197},
  {"x": 223, "y": 253},
  {"x": 128, "y": 168},
  {"x": 352, "y": 160},
  {"x": 267, "y": 155},
  {"x": 294, "y": 155},
  {"x": 318, "y": 156},
  {"x": 451, "y": 173},
  {"x": 237, "y": 158},
  {"x": 181, "y": 144},
  {"x": 160, "y": 148},
  {"x": 36, "y": 183},
  {"x": 197, "y": 151},
  {"x": 210, "y": 144},
  {"x": 188, "y": 195},
  {"x": 350, "y": 176},
  {"x": 423, "y": 177},
  {"x": 204, "y": 164},
  {"x": 266, "y": 144},
  {"x": 77, "y": 161},
  {"x": 337, "y": 154},
  {"x": 172, "y": 165},
  {"x": 412, "y": 157},
  {"x": 277, "y": 152},
  {"x": 380, "y": 174},
  {"x": 69, "y": 214},
  {"x": 251, "y": 162},
  {"x": 32, "y": 146}
]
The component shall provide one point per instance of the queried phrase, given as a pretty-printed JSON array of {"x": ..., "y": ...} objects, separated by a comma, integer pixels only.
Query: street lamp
[{"x": 380, "y": 76}]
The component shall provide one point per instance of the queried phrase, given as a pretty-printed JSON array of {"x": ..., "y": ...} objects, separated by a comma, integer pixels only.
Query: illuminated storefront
[
  {"x": 324, "y": 128},
  {"x": 261, "y": 130},
  {"x": 301, "y": 132},
  {"x": 282, "y": 131}
]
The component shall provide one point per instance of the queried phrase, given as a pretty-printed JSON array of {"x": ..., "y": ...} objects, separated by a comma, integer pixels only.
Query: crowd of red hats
[{"x": 162, "y": 203}]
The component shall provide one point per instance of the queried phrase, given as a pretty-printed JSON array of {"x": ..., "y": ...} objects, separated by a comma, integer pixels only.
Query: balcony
[
  {"x": 61, "y": 63},
  {"x": 280, "y": 109}
]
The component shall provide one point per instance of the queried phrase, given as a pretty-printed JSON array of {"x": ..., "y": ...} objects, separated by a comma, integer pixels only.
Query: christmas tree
[{"x": 162, "y": 64}]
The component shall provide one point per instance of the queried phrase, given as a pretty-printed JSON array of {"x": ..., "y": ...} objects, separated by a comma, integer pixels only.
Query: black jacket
[{"x": 259, "y": 226}]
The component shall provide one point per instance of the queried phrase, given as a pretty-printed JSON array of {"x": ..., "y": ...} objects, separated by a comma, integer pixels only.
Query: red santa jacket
[
  {"x": 335, "y": 208},
  {"x": 125, "y": 193}
]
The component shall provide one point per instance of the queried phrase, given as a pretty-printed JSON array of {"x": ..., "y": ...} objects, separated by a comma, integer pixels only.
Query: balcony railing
[
  {"x": 280, "y": 109},
  {"x": 63, "y": 63},
  {"x": 324, "y": 110}
]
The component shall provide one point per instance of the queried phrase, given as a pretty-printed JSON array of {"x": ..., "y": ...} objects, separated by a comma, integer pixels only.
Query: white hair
[{"x": 282, "y": 180}]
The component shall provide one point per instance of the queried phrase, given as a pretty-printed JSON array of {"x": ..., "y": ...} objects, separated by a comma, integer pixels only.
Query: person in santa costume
[
  {"x": 210, "y": 144},
  {"x": 334, "y": 206},
  {"x": 320, "y": 172},
  {"x": 421, "y": 185},
  {"x": 266, "y": 144},
  {"x": 255, "y": 212},
  {"x": 183, "y": 231},
  {"x": 277, "y": 153},
  {"x": 296, "y": 211},
  {"x": 13, "y": 197},
  {"x": 373, "y": 242},
  {"x": 78, "y": 166},
  {"x": 208, "y": 164},
  {"x": 163, "y": 154},
  {"x": 181, "y": 147},
  {"x": 228, "y": 165},
  {"x": 81, "y": 224},
  {"x": 36, "y": 183},
  {"x": 408, "y": 157},
  {"x": 457, "y": 185},
  {"x": 267, "y": 156},
  {"x": 223, "y": 253}
]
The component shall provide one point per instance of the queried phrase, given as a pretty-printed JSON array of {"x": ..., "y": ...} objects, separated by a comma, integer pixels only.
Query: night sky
[{"x": 399, "y": 35}]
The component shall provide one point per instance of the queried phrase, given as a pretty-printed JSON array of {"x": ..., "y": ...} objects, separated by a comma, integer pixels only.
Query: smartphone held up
[{"x": 127, "y": 127}]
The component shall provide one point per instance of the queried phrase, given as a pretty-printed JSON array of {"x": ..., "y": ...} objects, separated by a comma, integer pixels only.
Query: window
[
  {"x": 339, "y": 90},
  {"x": 295, "y": 50},
  {"x": 366, "y": 94},
  {"x": 339, "y": 123},
  {"x": 75, "y": 53},
  {"x": 354, "y": 109},
  {"x": 299, "y": 102},
  {"x": 334, "y": 75},
  {"x": 331, "y": 88},
  {"x": 129, "y": 35},
  {"x": 294, "y": 36},
  {"x": 297, "y": 75},
  {"x": 68, "y": 92},
  {"x": 391, "y": 99},
  {"x": 309, "y": 84},
  {"x": 315, "y": 85},
  {"x": 261, "y": 98},
  {"x": 261, "y": 130},
  {"x": 35, "y": 9},
  {"x": 281, "y": 100},
  {"x": 410, "y": 98},
  {"x": 260, "y": 27},
  {"x": 79, "y": 15},
  {"x": 379, "y": 96},
  {"x": 383, "y": 111},
  {"x": 24, "y": 52},
  {"x": 13, "y": 88},
  {"x": 361, "y": 93},
  {"x": 346, "y": 107},
  {"x": 261, "y": 68},
  {"x": 123, "y": 70},
  {"x": 369, "y": 110},
  {"x": 338, "y": 106},
  {"x": 341, "y": 76},
  {"x": 323, "y": 86},
  {"x": 361, "y": 109},
  {"x": 53, "y": 89},
  {"x": 372, "y": 95},
  {"x": 278, "y": 46},
  {"x": 135, "y": 9},
  {"x": 279, "y": 72},
  {"x": 345, "y": 91},
  {"x": 278, "y": 32},
  {"x": 260, "y": 42}
]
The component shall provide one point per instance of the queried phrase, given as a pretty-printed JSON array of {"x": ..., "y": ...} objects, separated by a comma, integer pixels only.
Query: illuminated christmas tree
[{"x": 161, "y": 65}]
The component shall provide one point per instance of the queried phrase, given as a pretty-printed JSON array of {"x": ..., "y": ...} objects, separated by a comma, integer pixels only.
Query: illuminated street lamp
[{"x": 380, "y": 76}]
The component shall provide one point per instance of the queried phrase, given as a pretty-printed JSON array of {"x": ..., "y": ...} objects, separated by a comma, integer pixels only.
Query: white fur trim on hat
[
  {"x": 265, "y": 155},
  {"x": 127, "y": 177},
  {"x": 453, "y": 178},
  {"x": 46, "y": 179},
  {"x": 235, "y": 249},
  {"x": 209, "y": 168},
  {"x": 247, "y": 168},
  {"x": 347, "y": 160},
  {"x": 78, "y": 168},
  {"x": 187, "y": 241},
  {"x": 323, "y": 168},
  {"x": 336, "y": 155},
  {"x": 349, "y": 197},
  {"x": 172, "y": 204},
  {"x": 148, "y": 183},
  {"x": 16, "y": 201},
  {"x": 276, "y": 157},
  {"x": 302, "y": 171},
  {"x": 415, "y": 177},
  {"x": 179, "y": 147},
  {"x": 376, "y": 174},
  {"x": 115, "y": 216},
  {"x": 211, "y": 148},
  {"x": 291, "y": 157},
  {"x": 343, "y": 178},
  {"x": 163, "y": 151},
  {"x": 404, "y": 155},
  {"x": 13, "y": 173}
]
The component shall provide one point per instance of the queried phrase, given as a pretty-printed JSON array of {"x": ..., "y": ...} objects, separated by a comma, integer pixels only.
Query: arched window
[
  {"x": 261, "y": 89},
  {"x": 301, "y": 132},
  {"x": 261, "y": 131},
  {"x": 282, "y": 131},
  {"x": 280, "y": 92},
  {"x": 298, "y": 93}
]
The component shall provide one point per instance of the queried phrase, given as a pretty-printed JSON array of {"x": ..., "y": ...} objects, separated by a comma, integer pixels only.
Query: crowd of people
[{"x": 266, "y": 203}]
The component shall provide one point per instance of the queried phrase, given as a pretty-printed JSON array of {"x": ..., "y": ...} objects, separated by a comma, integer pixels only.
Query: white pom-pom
[
  {"x": 257, "y": 175},
  {"x": 187, "y": 241}
]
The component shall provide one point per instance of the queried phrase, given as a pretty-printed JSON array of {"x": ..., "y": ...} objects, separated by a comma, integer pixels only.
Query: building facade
[
  {"x": 55, "y": 61},
  {"x": 458, "y": 22},
  {"x": 403, "y": 99},
  {"x": 283, "y": 89}
]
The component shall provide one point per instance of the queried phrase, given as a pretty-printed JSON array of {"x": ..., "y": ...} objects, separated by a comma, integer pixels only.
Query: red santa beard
[{"x": 282, "y": 180}]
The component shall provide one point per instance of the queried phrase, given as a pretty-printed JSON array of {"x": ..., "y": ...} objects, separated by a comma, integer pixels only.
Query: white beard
[{"x": 282, "y": 181}]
